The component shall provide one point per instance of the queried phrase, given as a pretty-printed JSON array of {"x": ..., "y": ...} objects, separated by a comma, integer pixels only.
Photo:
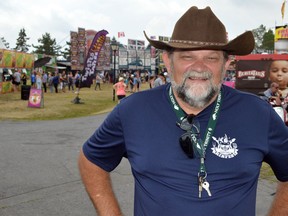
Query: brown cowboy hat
[{"x": 200, "y": 29}]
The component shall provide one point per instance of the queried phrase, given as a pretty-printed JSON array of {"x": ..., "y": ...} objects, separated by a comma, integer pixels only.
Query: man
[
  {"x": 17, "y": 79},
  {"x": 272, "y": 93},
  {"x": 195, "y": 161},
  {"x": 44, "y": 81},
  {"x": 160, "y": 80},
  {"x": 98, "y": 81}
]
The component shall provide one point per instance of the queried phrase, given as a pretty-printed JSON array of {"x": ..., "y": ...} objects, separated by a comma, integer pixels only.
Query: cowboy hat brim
[{"x": 241, "y": 45}]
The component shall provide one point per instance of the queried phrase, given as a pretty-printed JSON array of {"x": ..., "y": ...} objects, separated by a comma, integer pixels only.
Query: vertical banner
[
  {"x": 36, "y": 99},
  {"x": 91, "y": 59}
]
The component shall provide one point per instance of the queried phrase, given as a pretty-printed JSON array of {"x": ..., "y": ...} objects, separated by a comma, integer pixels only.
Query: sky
[{"x": 156, "y": 17}]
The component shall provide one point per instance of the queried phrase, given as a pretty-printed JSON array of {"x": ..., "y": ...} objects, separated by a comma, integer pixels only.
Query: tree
[
  {"x": 268, "y": 40},
  {"x": 66, "y": 53},
  {"x": 47, "y": 46},
  {"x": 21, "y": 44},
  {"x": 258, "y": 35}
]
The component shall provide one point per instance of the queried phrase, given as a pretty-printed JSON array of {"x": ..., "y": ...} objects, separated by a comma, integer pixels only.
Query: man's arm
[
  {"x": 99, "y": 188},
  {"x": 280, "y": 204}
]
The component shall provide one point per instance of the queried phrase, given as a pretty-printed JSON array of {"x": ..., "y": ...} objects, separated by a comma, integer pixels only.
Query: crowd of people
[
  {"x": 54, "y": 81},
  {"x": 63, "y": 81}
]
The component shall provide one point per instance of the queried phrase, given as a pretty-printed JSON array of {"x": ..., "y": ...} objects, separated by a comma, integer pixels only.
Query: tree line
[
  {"x": 46, "y": 45},
  {"x": 264, "y": 41}
]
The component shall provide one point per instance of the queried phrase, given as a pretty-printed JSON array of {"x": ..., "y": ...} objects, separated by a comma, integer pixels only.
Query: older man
[{"x": 192, "y": 159}]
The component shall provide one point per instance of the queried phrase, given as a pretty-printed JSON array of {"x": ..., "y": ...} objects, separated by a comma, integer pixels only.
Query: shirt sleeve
[
  {"x": 106, "y": 146},
  {"x": 277, "y": 156}
]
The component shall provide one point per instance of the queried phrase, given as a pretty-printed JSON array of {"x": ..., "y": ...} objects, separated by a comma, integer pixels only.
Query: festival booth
[{"x": 9, "y": 61}]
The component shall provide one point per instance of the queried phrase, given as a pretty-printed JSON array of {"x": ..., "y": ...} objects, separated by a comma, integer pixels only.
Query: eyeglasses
[{"x": 186, "y": 141}]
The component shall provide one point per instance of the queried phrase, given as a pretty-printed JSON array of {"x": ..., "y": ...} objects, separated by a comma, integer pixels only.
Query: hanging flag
[
  {"x": 121, "y": 34},
  {"x": 92, "y": 58},
  {"x": 283, "y": 9}
]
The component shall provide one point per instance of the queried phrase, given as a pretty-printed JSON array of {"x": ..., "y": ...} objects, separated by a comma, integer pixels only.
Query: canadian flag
[{"x": 121, "y": 34}]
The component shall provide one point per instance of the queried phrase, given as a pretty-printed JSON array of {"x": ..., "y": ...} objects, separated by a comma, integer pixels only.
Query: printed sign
[{"x": 36, "y": 99}]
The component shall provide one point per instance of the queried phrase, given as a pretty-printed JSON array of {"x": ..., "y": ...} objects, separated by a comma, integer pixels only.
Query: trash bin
[{"x": 25, "y": 91}]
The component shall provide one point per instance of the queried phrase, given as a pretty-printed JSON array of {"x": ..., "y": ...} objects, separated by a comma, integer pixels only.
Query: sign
[
  {"x": 255, "y": 72},
  {"x": 14, "y": 59},
  {"x": 36, "y": 99}
]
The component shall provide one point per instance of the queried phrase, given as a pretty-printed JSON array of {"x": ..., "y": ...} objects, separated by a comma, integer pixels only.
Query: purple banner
[{"x": 91, "y": 58}]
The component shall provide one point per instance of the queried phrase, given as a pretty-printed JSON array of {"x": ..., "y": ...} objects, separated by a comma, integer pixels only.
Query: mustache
[{"x": 196, "y": 75}]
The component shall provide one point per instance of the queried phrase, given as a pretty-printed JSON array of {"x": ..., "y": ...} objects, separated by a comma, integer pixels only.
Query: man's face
[
  {"x": 196, "y": 76},
  {"x": 275, "y": 88}
]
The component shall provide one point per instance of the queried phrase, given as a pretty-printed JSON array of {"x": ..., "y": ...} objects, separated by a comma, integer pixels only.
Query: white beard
[{"x": 197, "y": 95}]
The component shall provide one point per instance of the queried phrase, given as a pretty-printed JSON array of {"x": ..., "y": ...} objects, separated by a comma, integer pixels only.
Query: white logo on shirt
[{"x": 224, "y": 147}]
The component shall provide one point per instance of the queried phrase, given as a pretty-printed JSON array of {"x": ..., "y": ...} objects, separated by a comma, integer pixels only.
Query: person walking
[
  {"x": 71, "y": 81},
  {"x": 44, "y": 81},
  {"x": 120, "y": 88},
  {"x": 50, "y": 82},
  {"x": 24, "y": 78},
  {"x": 196, "y": 160},
  {"x": 160, "y": 80},
  {"x": 33, "y": 79},
  {"x": 38, "y": 80},
  {"x": 63, "y": 81},
  {"x": 98, "y": 80},
  {"x": 17, "y": 80},
  {"x": 56, "y": 81}
]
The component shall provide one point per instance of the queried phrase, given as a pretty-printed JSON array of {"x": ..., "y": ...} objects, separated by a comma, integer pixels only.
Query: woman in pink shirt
[{"x": 120, "y": 89}]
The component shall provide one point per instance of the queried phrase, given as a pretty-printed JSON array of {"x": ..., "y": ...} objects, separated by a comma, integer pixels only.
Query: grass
[
  {"x": 267, "y": 173},
  {"x": 60, "y": 106}
]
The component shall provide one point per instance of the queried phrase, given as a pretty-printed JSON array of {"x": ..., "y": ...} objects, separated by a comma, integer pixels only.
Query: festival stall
[{"x": 9, "y": 61}]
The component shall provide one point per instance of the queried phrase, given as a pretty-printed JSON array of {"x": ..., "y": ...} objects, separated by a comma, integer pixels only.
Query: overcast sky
[{"x": 156, "y": 17}]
